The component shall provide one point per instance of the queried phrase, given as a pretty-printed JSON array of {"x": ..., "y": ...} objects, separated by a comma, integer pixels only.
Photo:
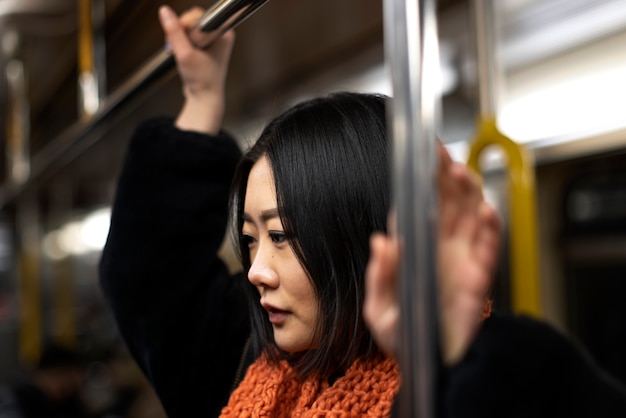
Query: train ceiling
[{"x": 287, "y": 44}]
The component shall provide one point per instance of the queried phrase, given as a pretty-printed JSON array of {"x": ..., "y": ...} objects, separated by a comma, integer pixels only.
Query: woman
[
  {"x": 323, "y": 168},
  {"x": 306, "y": 199},
  {"x": 306, "y": 257}
]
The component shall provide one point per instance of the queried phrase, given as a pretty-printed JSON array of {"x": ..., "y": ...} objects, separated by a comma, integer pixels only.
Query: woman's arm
[
  {"x": 182, "y": 315},
  {"x": 520, "y": 367},
  {"x": 468, "y": 240},
  {"x": 504, "y": 366},
  {"x": 180, "y": 312}
]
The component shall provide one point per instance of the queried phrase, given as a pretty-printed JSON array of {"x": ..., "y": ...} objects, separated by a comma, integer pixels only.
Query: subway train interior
[{"x": 70, "y": 98}]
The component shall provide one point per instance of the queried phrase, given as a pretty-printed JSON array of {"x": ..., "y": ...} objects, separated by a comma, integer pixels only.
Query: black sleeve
[
  {"x": 182, "y": 316},
  {"x": 520, "y": 367}
]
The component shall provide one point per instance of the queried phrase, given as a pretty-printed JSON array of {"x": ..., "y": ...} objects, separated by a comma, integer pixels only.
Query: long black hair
[{"x": 329, "y": 158}]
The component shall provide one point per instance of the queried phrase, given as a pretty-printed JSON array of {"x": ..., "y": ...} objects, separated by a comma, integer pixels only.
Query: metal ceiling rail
[{"x": 224, "y": 15}]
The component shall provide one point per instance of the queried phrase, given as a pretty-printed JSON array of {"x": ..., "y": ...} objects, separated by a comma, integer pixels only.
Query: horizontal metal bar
[{"x": 224, "y": 15}]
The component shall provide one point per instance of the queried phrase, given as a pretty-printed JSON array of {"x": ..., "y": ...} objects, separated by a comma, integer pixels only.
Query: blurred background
[{"x": 561, "y": 71}]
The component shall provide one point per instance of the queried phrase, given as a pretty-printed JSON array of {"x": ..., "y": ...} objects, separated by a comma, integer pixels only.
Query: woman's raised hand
[
  {"x": 203, "y": 71},
  {"x": 468, "y": 241}
]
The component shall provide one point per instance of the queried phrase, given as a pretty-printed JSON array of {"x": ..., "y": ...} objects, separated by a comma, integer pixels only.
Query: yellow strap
[
  {"x": 523, "y": 220},
  {"x": 64, "y": 302},
  {"x": 85, "y": 39},
  {"x": 30, "y": 309}
]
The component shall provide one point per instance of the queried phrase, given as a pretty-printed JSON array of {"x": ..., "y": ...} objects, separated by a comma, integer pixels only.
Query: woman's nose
[{"x": 262, "y": 272}]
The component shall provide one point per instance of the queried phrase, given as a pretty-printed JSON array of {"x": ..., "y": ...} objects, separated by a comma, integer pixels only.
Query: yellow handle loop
[{"x": 525, "y": 295}]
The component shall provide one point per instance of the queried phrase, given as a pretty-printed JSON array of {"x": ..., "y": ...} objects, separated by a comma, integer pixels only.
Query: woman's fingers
[
  {"x": 460, "y": 193},
  {"x": 203, "y": 71},
  {"x": 487, "y": 240},
  {"x": 467, "y": 252},
  {"x": 175, "y": 32},
  {"x": 188, "y": 55},
  {"x": 381, "y": 309},
  {"x": 190, "y": 18}
]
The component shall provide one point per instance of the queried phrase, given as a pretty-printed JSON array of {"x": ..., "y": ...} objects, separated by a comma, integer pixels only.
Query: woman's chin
[{"x": 291, "y": 347}]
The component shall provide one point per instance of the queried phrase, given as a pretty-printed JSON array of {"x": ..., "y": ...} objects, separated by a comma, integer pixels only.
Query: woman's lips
[{"x": 275, "y": 315}]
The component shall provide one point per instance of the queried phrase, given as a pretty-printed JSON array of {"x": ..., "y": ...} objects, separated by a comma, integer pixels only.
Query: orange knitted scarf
[{"x": 366, "y": 390}]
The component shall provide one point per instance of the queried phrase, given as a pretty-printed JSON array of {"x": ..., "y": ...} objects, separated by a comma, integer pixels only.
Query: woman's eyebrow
[{"x": 266, "y": 215}]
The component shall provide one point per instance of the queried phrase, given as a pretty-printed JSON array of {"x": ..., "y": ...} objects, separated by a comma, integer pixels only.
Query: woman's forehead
[{"x": 260, "y": 191}]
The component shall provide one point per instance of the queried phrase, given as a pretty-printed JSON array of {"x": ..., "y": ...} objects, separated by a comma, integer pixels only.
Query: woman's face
[{"x": 286, "y": 292}]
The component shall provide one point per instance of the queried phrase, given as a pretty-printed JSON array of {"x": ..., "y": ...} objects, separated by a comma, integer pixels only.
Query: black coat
[
  {"x": 181, "y": 313},
  {"x": 29, "y": 401},
  {"x": 520, "y": 367},
  {"x": 185, "y": 319}
]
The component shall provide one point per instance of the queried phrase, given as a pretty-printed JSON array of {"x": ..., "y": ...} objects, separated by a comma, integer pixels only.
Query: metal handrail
[
  {"x": 222, "y": 16},
  {"x": 411, "y": 49}
]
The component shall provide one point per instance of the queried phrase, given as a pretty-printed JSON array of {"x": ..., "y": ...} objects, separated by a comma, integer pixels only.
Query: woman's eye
[
  {"x": 246, "y": 240},
  {"x": 278, "y": 237}
]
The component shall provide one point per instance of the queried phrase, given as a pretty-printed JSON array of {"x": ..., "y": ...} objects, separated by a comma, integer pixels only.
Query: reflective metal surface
[
  {"x": 489, "y": 72},
  {"x": 223, "y": 16},
  {"x": 411, "y": 47}
]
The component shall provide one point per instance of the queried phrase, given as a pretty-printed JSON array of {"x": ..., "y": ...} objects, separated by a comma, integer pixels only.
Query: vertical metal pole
[
  {"x": 18, "y": 124},
  {"x": 98, "y": 19},
  {"x": 62, "y": 271},
  {"x": 411, "y": 48},
  {"x": 489, "y": 72},
  {"x": 29, "y": 278},
  {"x": 91, "y": 76}
]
